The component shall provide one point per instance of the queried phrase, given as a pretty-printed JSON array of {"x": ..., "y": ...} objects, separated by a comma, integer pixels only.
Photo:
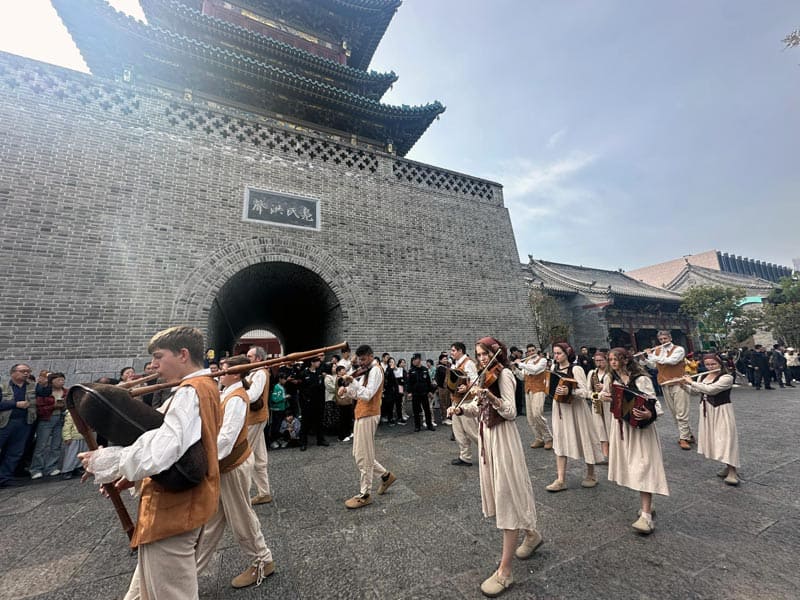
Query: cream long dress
[
  {"x": 506, "y": 490},
  {"x": 634, "y": 455},
  {"x": 574, "y": 433},
  {"x": 602, "y": 423},
  {"x": 717, "y": 437}
]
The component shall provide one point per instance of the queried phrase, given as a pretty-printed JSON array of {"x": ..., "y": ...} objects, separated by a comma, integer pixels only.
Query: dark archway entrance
[{"x": 289, "y": 300}]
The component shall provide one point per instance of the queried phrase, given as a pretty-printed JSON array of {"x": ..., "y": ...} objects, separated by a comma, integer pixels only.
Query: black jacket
[{"x": 419, "y": 380}]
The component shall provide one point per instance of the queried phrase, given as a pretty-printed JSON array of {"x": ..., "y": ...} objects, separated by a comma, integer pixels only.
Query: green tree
[
  {"x": 745, "y": 325},
  {"x": 549, "y": 323},
  {"x": 782, "y": 311},
  {"x": 715, "y": 308}
]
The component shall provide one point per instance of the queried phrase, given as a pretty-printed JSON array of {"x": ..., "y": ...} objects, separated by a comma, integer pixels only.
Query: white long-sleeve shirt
[
  {"x": 257, "y": 380},
  {"x": 232, "y": 421},
  {"x": 158, "y": 449},
  {"x": 678, "y": 354},
  {"x": 365, "y": 392},
  {"x": 534, "y": 367}
]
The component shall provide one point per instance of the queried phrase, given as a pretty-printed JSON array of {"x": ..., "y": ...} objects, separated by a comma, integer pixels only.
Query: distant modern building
[
  {"x": 662, "y": 274},
  {"x": 607, "y": 309}
]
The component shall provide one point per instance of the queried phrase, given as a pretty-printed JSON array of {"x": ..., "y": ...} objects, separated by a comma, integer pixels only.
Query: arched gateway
[{"x": 296, "y": 290}]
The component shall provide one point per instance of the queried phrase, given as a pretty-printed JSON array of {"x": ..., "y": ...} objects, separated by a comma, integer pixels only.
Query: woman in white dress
[
  {"x": 506, "y": 491},
  {"x": 635, "y": 459},
  {"x": 717, "y": 437},
  {"x": 574, "y": 434},
  {"x": 601, "y": 415}
]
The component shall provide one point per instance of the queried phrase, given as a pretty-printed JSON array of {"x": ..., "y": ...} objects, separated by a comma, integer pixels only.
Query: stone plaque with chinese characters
[{"x": 274, "y": 208}]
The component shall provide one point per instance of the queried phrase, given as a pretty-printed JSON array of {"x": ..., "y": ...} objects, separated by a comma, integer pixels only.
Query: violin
[{"x": 490, "y": 375}]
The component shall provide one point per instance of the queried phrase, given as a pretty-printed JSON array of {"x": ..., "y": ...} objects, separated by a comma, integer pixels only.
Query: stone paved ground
[{"x": 427, "y": 538}]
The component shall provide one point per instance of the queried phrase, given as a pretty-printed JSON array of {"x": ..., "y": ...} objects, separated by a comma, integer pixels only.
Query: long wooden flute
[{"x": 273, "y": 362}]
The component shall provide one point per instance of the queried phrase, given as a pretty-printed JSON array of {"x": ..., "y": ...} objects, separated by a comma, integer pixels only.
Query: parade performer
[
  {"x": 598, "y": 378},
  {"x": 236, "y": 467},
  {"x": 365, "y": 386},
  {"x": 670, "y": 360},
  {"x": 257, "y": 419},
  {"x": 465, "y": 428},
  {"x": 531, "y": 370},
  {"x": 574, "y": 435},
  {"x": 717, "y": 438},
  {"x": 170, "y": 523},
  {"x": 635, "y": 459},
  {"x": 506, "y": 491}
]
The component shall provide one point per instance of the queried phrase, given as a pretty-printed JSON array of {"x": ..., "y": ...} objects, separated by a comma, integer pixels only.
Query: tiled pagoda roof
[
  {"x": 572, "y": 279},
  {"x": 177, "y": 17},
  {"x": 361, "y": 22},
  {"x": 110, "y": 41},
  {"x": 724, "y": 278}
]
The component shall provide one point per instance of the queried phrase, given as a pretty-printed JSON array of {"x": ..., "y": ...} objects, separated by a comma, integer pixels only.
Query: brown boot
[
  {"x": 254, "y": 574},
  {"x": 385, "y": 483},
  {"x": 261, "y": 499}
]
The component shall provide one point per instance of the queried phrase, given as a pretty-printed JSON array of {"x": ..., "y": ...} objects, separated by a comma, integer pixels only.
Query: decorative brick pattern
[{"x": 127, "y": 218}]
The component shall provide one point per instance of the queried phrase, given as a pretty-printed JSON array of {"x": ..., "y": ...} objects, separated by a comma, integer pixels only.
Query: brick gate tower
[{"x": 230, "y": 165}]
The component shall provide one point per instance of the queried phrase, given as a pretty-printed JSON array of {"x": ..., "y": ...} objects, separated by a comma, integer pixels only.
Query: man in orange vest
[
  {"x": 670, "y": 360},
  {"x": 170, "y": 523},
  {"x": 366, "y": 390},
  {"x": 531, "y": 372},
  {"x": 236, "y": 470}
]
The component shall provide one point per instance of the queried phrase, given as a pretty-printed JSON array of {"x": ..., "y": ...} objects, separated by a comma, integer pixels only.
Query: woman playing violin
[{"x": 506, "y": 491}]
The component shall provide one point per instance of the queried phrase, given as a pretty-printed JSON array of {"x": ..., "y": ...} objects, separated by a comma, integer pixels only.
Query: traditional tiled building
[
  {"x": 230, "y": 165},
  {"x": 608, "y": 308},
  {"x": 662, "y": 274}
]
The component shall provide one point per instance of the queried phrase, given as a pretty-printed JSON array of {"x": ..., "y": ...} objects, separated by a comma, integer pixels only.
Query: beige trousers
[
  {"x": 167, "y": 569},
  {"x": 466, "y": 431},
  {"x": 235, "y": 510},
  {"x": 677, "y": 400},
  {"x": 364, "y": 451},
  {"x": 534, "y": 407},
  {"x": 257, "y": 441}
]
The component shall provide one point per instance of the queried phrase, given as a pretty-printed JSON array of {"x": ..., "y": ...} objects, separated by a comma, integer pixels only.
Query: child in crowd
[
  {"x": 277, "y": 408},
  {"x": 73, "y": 445},
  {"x": 290, "y": 431}
]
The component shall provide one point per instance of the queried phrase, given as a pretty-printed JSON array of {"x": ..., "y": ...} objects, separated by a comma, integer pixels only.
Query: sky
[{"x": 624, "y": 133}]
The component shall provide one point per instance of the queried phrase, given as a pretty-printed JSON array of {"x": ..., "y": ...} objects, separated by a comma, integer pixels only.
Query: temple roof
[
  {"x": 177, "y": 17},
  {"x": 572, "y": 279},
  {"x": 690, "y": 274},
  {"x": 361, "y": 23},
  {"x": 111, "y": 42}
]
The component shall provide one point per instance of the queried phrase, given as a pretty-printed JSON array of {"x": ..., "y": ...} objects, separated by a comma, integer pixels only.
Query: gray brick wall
[{"x": 123, "y": 216}]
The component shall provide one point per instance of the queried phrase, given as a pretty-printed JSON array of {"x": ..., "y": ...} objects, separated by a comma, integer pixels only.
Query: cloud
[
  {"x": 537, "y": 189},
  {"x": 556, "y": 137}
]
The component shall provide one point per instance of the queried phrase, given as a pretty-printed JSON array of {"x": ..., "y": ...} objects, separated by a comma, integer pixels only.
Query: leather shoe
[
  {"x": 386, "y": 483},
  {"x": 261, "y": 499},
  {"x": 458, "y": 462},
  {"x": 254, "y": 574},
  {"x": 532, "y": 541},
  {"x": 556, "y": 486},
  {"x": 358, "y": 501},
  {"x": 537, "y": 444},
  {"x": 643, "y": 525},
  {"x": 684, "y": 444},
  {"x": 548, "y": 445},
  {"x": 589, "y": 482},
  {"x": 496, "y": 585},
  {"x": 732, "y": 479}
]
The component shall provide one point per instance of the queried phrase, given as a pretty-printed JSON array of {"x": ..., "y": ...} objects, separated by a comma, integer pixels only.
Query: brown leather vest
[
  {"x": 535, "y": 383},
  {"x": 241, "y": 449},
  {"x": 455, "y": 396},
  {"x": 372, "y": 407},
  {"x": 162, "y": 513},
  {"x": 666, "y": 372},
  {"x": 262, "y": 414}
]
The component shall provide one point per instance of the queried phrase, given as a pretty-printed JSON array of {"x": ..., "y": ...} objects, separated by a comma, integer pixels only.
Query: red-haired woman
[
  {"x": 574, "y": 434},
  {"x": 717, "y": 438},
  {"x": 635, "y": 459},
  {"x": 506, "y": 491}
]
